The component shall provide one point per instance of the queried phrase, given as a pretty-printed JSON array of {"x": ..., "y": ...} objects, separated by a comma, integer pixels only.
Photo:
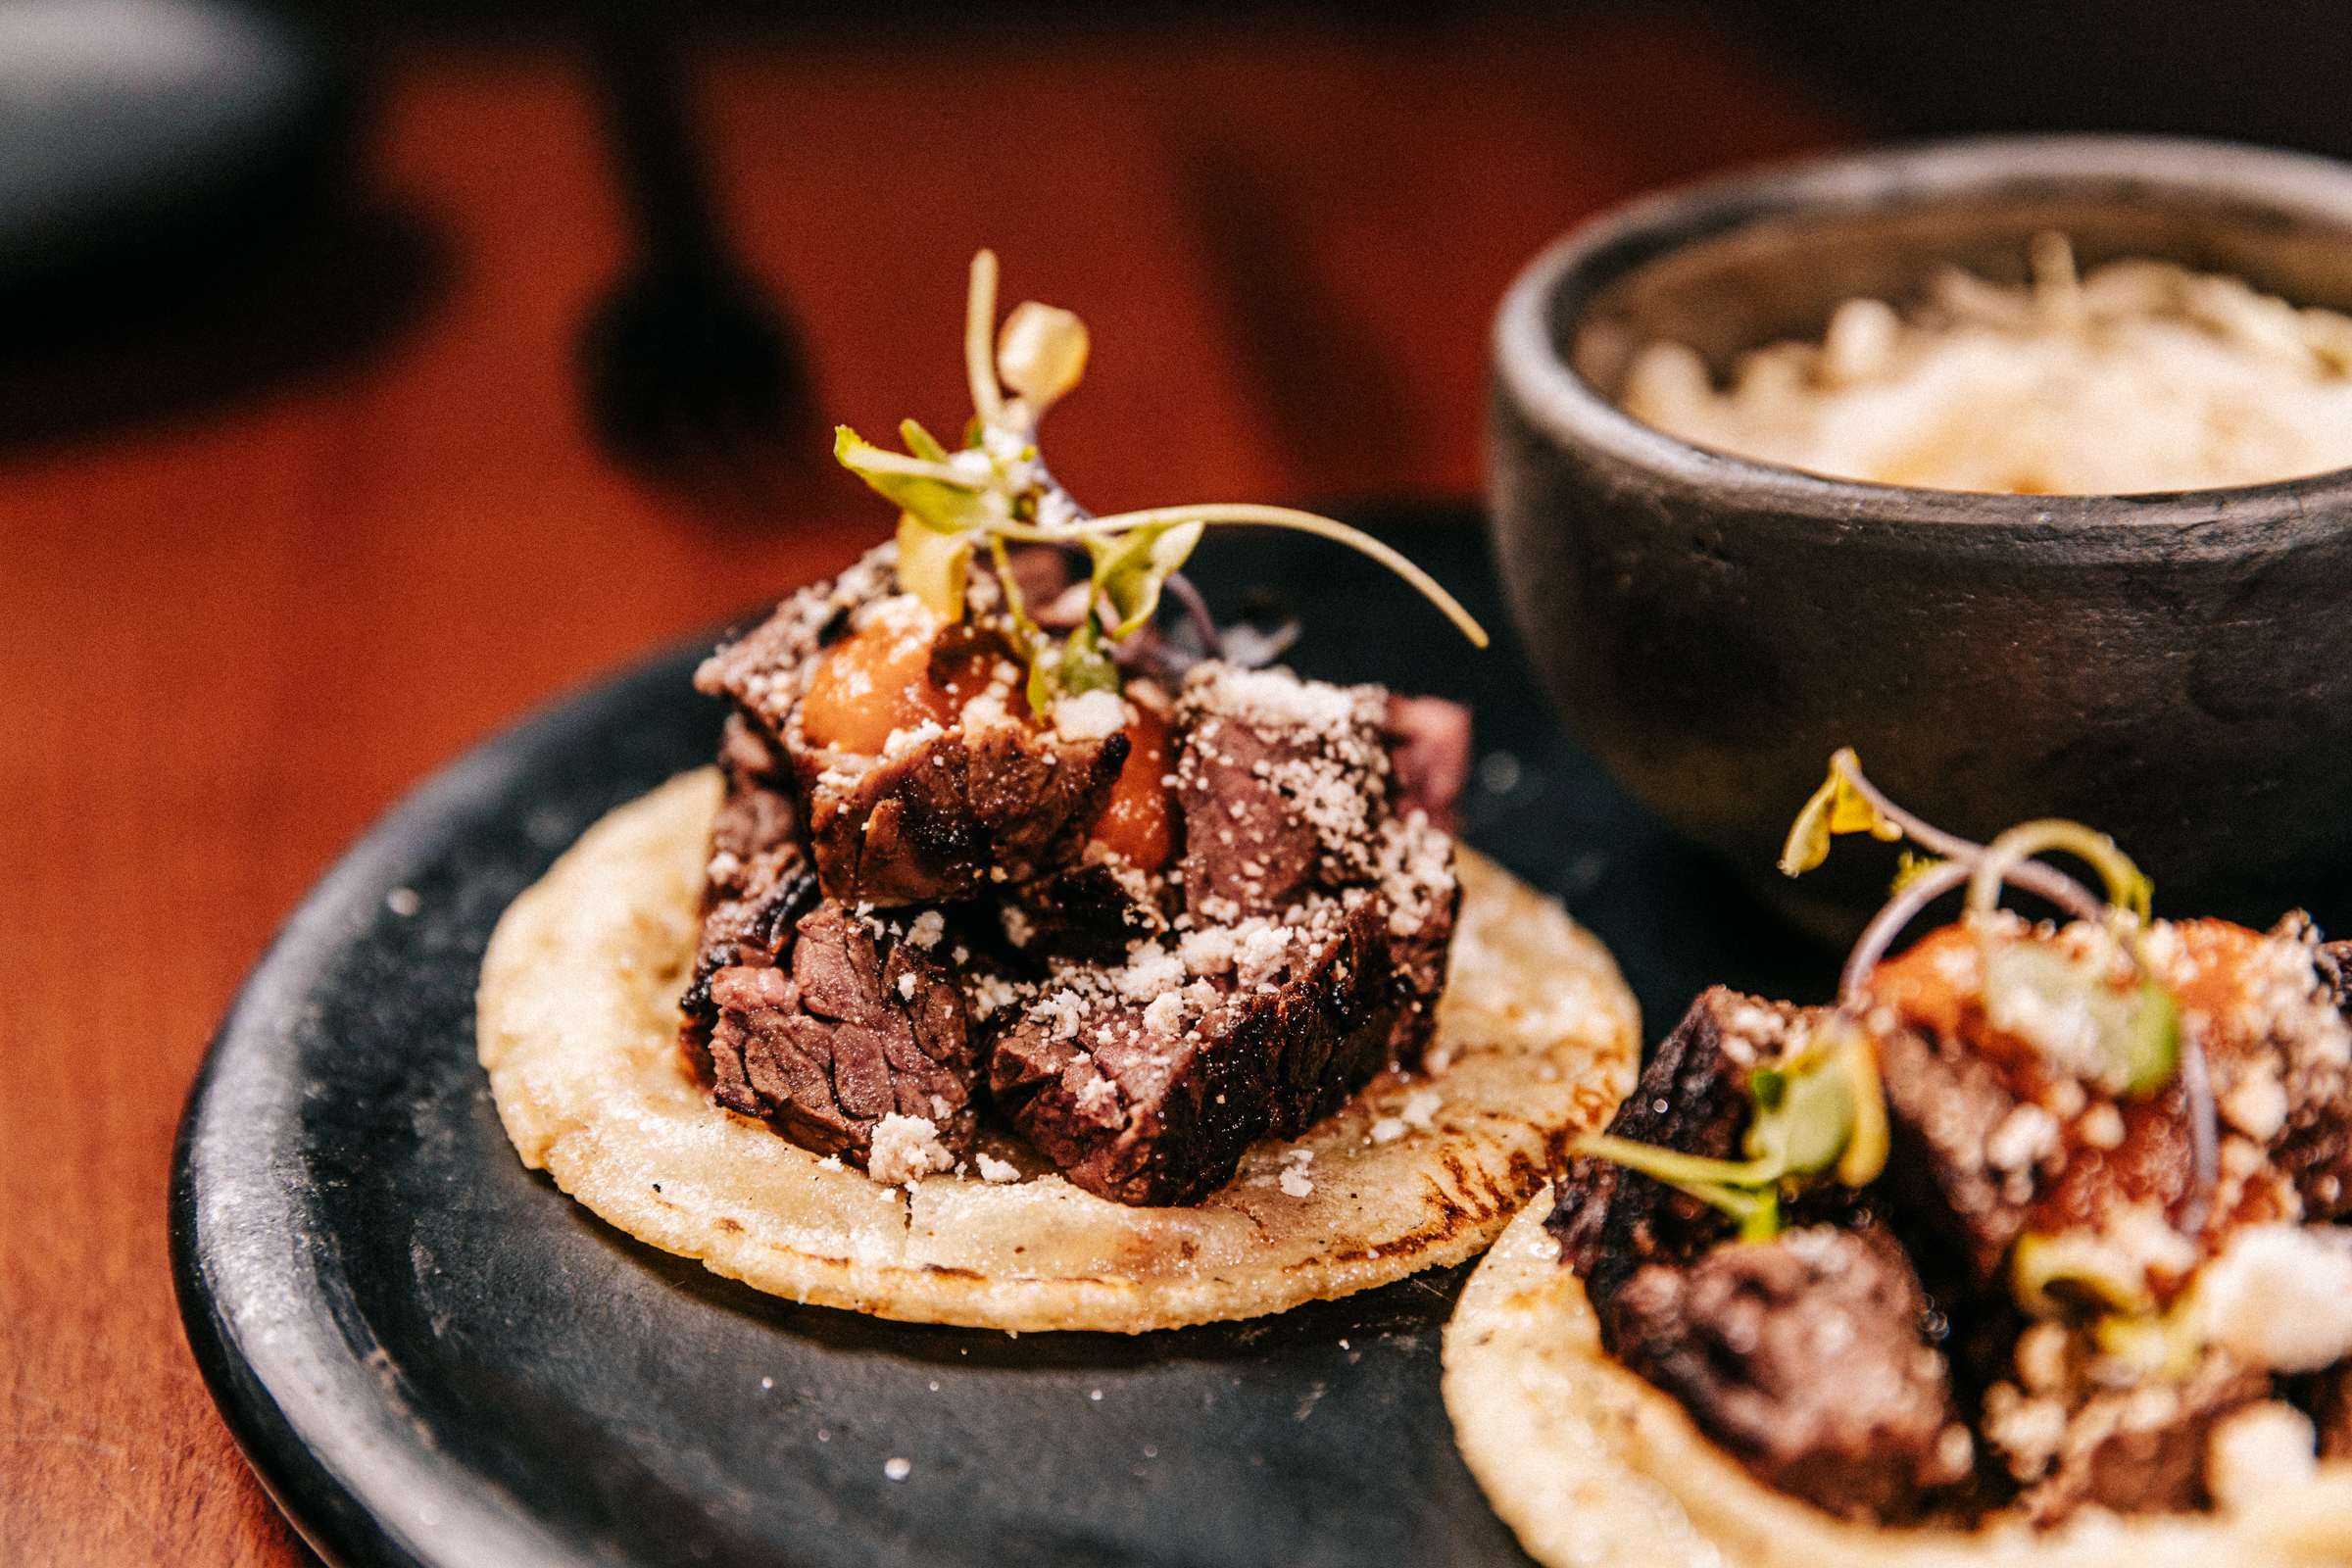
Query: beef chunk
[
  {"x": 862, "y": 1028},
  {"x": 1992, "y": 1139},
  {"x": 1803, "y": 1356},
  {"x": 960, "y": 811},
  {"x": 1283, "y": 785},
  {"x": 758, "y": 886},
  {"x": 1429, "y": 746},
  {"x": 2133, "y": 1450},
  {"x": 1693, "y": 1097},
  {"x": 1086, "y": 912},
  {"x": 763, "y": 671},
  {"x": 1421, "y": 899},
  {"x": 1945, "y": 1103},
  {"x": 1154, "y": 1101}
]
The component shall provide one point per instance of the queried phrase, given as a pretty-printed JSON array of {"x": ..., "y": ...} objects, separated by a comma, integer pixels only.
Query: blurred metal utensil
[{"x": 694, "y": 377}]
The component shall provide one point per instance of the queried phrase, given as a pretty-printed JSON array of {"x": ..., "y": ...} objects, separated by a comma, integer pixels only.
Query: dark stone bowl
[{"x": 2173, "y": 669}]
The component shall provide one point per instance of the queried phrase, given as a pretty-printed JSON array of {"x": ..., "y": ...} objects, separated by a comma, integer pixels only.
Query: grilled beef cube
[
  {"x": 1429, "y": 749},
  {"x": 1086, "y": 912},
  {"x": 2001, "y": 1141},
  {"x": 1283, "y": 784},
  {"x": 2133, "y": 1450},
  {"x": 758, "y": 886},
  {"x": 1803, "y": 1358},
  {"x": 1154, "y": 1101},
  {"x": 863, "y": 1027},
  {"x": 1692, "y": 1097},
  {"x": 944, "y": 815},
  {"x": 1285, "y": 789},
  {"x": 957, "y": 813},
  {"x": 765, "y": 671}
]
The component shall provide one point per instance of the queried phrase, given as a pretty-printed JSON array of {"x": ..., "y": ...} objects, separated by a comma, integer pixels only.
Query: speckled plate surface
[{"x": 433, "y": 1357}]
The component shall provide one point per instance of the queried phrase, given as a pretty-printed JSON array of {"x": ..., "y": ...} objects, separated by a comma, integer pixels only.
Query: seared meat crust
[
  {"x": 862, "y": 1028},
  {"x": 950, "y": 815},
  {"x": 1149, "y": 1116},
  {"x": 1803, "y": 1358}
]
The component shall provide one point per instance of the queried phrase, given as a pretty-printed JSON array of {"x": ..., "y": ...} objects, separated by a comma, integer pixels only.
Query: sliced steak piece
[
  {"x": 1692, "y": 1097},
  {"x": 863, "y": 1027},
  {"x": 1148, "y": 1090},
  {"x": 1283, "y": 784},
  {"x": 1803, "y": 1356},
  {"x": 955, "y": 814},
  {"x": 765, "y": 671},
  {"x": 1429, "y": 746},
  {"x": 1093, "y": 913},
  {"x": 1421, "y": 899},
  {"x": 2133, "y": 1450},
  {"x": 1993, "y": 1140},
  {"x": 758, "y": 886}
]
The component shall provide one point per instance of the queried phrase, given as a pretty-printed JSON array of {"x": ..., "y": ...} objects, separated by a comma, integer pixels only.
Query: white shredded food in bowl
[{"x": 2139, "y": 376}]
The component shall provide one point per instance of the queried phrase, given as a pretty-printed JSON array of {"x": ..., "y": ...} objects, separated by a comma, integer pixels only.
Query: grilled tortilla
[
  {"x": 1536, "y": 1038},
  {"x": 1593, "y": 1466}
]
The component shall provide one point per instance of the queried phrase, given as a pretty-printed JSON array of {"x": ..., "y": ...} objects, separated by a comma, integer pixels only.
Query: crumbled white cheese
[
  {"x": 1169, "y": 1014},
  {"x": 1265, "y": 954},
  {"x": 2279, "y": 1296},
  {"x": 989, "y": 992},
  {"x": 927, "y": 929},
  {"x": 2256, "y": 1105},
  {"x": 903, "y": 740},
  {"x": 2258, "y": 1453},
  {"x": 2023, "y": 1136},
  {"x": 1388, "y": 1129},
  {"x": 1421, "y": 1108},
  {"x": 998, "y": 1171},
  {"x": 1294, "y": 1182},
  {"x": 2101, "y": 1126},
  {"x": 1207, "y": 951},
  {"x": 907, "y": 1148},
  {"x": 1017, "y": 929},
  {"x": 1090, "y": 716},
  {"x": 1151, "y": 971},
  {"x": 1066, "y": 1010}
]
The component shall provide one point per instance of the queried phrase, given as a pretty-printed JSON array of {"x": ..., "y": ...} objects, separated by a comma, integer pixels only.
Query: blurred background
[{"x": 371, "y": 372}]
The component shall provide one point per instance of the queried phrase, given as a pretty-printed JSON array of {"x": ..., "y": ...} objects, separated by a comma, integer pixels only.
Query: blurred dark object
[
  {"x": 2263, "y": 70},
  {"x": 178, "y": 228},
  {"x": 149, "y": 146},
  {"x": 695, "y": 380}
]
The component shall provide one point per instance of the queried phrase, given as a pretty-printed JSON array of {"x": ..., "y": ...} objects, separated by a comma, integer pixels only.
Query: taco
[
  {"x": 1021, "y": 964},
  {"x": 2028, "y": 1250}
]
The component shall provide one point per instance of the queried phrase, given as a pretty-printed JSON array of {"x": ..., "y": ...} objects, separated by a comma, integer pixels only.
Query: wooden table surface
[{"x": 243, "y": 615}]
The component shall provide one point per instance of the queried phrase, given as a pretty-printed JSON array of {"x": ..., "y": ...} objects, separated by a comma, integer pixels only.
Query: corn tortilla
[
  {"x": 577, "y": 1015},
  {"x": 1592, "y": 1466}
]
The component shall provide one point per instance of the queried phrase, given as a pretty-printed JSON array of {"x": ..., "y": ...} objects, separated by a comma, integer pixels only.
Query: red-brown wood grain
[{"x": 230, "y": 638}]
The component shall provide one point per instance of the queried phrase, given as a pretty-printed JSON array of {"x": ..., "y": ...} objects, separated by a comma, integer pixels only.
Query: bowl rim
[{"x": 1547, "y": 392}]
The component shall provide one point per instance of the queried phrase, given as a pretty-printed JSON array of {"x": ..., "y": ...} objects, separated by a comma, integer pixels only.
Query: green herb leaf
[
  {"x": 932, "y": 565},
  {"x": 2124, "y": 1042},
  {"x": 1131, "y": 568},
  {"x": 1805, "y": 1128},
  {"x": 920, "y": 442},
  {"x": 2070, "y": 1274},
  {"x": 2152, "y": 1047},
  {"x": 940, "y": 498},
  {"x": 1834, "y": 808},
  {"x": 1086, "y": 663}
]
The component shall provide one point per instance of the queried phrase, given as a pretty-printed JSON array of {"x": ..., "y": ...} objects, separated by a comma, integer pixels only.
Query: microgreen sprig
[
  {"x": 996, "y": 489},
  {"x": 2141, "y": 1046}
]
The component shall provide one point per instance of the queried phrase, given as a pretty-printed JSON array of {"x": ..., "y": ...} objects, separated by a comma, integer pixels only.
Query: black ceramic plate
[{"x": 432, "y": 1355}]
